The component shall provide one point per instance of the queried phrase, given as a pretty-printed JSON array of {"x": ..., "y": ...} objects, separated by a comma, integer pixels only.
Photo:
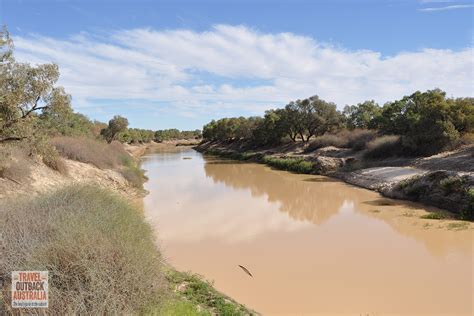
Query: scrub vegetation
[
  {"x": 101, "y": 257},
  {"x": 99, "y": 251},
  {"x": 421, "y": 124}
]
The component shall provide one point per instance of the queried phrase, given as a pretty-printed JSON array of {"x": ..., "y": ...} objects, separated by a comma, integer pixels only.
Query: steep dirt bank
[
  {"x": 445, "y": 180},
  {"x": 43, "y": 179}
]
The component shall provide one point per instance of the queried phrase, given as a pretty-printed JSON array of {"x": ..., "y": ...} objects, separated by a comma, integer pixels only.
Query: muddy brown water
[{"x": 315, "y": 246}]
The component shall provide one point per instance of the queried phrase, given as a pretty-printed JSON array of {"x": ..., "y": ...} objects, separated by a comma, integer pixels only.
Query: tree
[
  {"x": 116, "y": 125},
  {"x": 59, "y": 117},
  {"x": 462, "y": 114},
  {"x": 272, "y": 128},
  {"x": 362, "y": 115},
  {"x": 423, "y": 119},
  {"x": 25, "y": 91},
  {"x": 311, "y": 117}
]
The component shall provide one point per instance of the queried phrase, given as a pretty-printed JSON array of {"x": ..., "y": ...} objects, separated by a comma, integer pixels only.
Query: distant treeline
[{"x": 426, "y": 122}]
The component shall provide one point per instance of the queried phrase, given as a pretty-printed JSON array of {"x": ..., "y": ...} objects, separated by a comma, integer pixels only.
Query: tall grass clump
[
  {"x": 293, "y": 165},
  {"x": 358, "y": 139},
  {"x": 325, "y": 141},
  {"x": 132, "y": 172},
  {"x": 99, "y": 251},
  {"x": 14, "y": 163},
  {"x": 88, "y": 150},
  {"x": 383, "y": 147},
  {"x": 199, "y": 292},
  {"x": 102, "y": 155}
]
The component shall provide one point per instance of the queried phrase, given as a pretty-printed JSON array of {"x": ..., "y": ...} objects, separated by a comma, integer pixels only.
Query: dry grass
[
  {"x": 325, "y": 141},
  {"x": 88, "y": 150},
  {"x": 55, "y": 162},
  {"x": 101, "y": 155},
  {"x": 356, "y": 139},
  {"x": 99, "y": 251},
  {"x": 383, "y": 147},
  {"x": 359, "y": 138},
  {"x": 15, "y": 164}
]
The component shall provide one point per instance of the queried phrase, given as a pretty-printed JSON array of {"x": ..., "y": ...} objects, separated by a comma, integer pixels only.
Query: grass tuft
[
  {"x": 383, "y": 147},
  {"x": 99, "y": 251},
  {"x": 293, "y": 165}
]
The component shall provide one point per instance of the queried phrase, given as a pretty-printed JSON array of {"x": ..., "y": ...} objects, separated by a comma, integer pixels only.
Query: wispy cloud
[
  {"x": 449, "y": 7},
  {"x": 237, "y": 68}
]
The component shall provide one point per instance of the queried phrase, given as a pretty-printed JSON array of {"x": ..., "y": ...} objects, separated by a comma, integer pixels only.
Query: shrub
[
  {"x": 466, "y": 139},
  {"x": 201, "y": 293},
  {"x": 325, "y": 141},
  {"x": 383, "y": 147},
  {"x": 55, "y": 162},
  {"x": 357, "y": 139},
  {"x": 452, "y": 184},
  {"x": 468, "y": 212},
  {"x": 87, "y": 150},
  {"x": 99, "y": 251},
  {"x": 132, "y": 172},
  {"x": 294, "y": 165}
]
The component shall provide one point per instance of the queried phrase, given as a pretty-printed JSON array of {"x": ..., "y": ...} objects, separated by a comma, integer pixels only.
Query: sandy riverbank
[{"x": 445, "y": 181}]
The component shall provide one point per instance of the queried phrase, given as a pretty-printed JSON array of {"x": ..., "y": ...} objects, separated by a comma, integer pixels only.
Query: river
[{"x": 314, "y": 245}]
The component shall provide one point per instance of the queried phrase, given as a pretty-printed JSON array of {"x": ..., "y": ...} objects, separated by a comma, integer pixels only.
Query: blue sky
[{"x": 181, "y": 63}]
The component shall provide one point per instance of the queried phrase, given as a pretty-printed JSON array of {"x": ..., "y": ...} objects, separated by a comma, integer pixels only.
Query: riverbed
[{"x": 314, "y": 245}]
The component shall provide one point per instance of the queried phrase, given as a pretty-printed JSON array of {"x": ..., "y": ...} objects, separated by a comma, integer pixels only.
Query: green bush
[
  {"x": 99, "y": 251},
  {"x": 468, "y": 212},
  {"x": 201, "y": 293},
  {"x": 132, "y": 172},
  {"x": 294, "y": 165},
  {"x": 452, "y": 184}
]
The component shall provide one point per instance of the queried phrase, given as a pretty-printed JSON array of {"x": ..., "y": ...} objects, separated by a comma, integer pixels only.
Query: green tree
[
  {"x": 25, "y": 91},
  {"x": 59, "y": 117},
  {"x": 424, "y": 121},
  {"x": 116, "y": 125},
  {"x": 362, "y": 115},
  {"x": 311, "y": 117}
]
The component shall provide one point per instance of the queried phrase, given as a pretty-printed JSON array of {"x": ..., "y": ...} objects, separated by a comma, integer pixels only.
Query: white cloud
[
  {"x": 449, "y": 7},
  {"x": 238, "y": 68}
]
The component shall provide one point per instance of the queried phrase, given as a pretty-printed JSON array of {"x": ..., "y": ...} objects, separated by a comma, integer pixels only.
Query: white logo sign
[{"x": 30, "y": 289}]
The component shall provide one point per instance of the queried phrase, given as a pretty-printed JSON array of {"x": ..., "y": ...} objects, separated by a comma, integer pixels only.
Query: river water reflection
[{"x": 316, "y": 246}]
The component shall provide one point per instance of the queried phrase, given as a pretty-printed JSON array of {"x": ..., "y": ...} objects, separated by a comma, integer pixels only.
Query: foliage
[
  {"x": 293, "y": 165},
  {"x": 99, "y": 251},
  {"x": 362, "y": 115},
  {"x": 434, "y": 215},
  {"x": 468, "y": 212},
  {"x": 312, "y": 116},
  {"x": 427, "y": 123},
  {"x": 132, "y": 171},
  {"x": 25, "y": 90},
  {"x": 174, "y": 134},
  {"x": 117, "y": 125},
  {"x": 200, "y": 292}
]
